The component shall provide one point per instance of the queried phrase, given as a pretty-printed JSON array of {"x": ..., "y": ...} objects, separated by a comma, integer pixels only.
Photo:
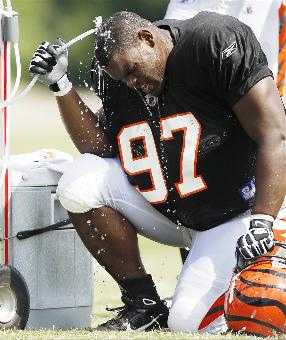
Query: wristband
[
  {"x": 61, "y": 87},
  {"x": 261, "y": 221},
  {"x": 262, "y": 217}
]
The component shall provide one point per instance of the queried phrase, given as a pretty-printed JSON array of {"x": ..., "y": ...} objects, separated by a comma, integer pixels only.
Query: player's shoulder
[
  {"x": 202, "y": 26},
  {"x": 214, "y": 27},
  {"x": 208, "y": 34}
]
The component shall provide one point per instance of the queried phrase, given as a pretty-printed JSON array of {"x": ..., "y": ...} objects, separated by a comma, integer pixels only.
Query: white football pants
[{"x": 93, "y": 182}]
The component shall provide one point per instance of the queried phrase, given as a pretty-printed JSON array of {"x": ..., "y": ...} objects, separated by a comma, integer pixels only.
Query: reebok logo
[{"x": 229, "y": 50}]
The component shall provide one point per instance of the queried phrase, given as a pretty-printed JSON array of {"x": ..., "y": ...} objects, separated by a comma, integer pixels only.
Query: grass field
[
  {"x": 78, "y": 335},
  {"x": 35, "y": 125}
]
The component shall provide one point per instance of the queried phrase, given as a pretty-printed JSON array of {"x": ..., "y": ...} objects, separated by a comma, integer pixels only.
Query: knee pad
[{"x": 82, "y": 186}]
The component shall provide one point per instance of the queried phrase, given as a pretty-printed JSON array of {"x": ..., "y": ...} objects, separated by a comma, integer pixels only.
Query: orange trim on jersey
[
  {"x": 182, "y": 152},
  {"x": 148, "y": 170},
  {"x": 282, "y": 51},
  {"x": 216, "y": 310}
]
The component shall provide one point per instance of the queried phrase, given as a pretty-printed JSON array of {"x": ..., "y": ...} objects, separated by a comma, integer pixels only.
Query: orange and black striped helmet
[{"x": 256, "y": 300}]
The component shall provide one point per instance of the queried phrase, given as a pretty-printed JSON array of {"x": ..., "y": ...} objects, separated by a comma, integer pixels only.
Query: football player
[{"x": 189, "y": 144}]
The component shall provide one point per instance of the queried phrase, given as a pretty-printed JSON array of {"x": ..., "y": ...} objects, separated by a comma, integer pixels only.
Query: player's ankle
[{"x": 139, "y": 287}]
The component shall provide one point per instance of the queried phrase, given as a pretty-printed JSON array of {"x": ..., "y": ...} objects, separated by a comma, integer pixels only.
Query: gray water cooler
[{"x": 56, "y": 266}]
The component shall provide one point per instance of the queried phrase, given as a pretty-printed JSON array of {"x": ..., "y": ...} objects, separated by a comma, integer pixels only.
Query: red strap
[{"x": 216, "y": 310}]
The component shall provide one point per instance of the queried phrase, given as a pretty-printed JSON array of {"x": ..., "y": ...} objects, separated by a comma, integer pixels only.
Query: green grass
[{"x": 78, "y": 334}]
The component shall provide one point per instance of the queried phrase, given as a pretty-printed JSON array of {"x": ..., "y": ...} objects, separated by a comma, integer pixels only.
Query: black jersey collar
[{"x": 171, "y": 26}]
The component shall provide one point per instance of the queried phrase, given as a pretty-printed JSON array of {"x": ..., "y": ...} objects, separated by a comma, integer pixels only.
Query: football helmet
[{"x": 256, "y": 300}]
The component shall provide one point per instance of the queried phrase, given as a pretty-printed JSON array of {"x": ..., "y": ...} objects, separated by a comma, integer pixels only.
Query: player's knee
[
  {"x": 182, "y": 319},
  {"x": 73, "y": 203},
  {"x": 82, "y": 187}
]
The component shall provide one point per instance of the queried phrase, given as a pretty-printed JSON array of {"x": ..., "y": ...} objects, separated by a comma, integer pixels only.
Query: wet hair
[{"x": 118, "y": 32}]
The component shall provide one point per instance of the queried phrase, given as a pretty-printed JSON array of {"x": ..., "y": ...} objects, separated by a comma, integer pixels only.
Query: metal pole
[
  {"x": 2, "y": 138},
  {"x": 6, "y": 81}
]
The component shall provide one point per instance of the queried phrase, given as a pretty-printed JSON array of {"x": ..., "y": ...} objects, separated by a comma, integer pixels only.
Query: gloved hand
[
  {"x": 258, "y": 241},
  {"x": 51, "y": 66}
]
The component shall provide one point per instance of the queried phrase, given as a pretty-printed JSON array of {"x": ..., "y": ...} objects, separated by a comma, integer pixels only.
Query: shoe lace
[
  {"x": 122, "y": 310},
  {"x": 114, "y": 309}
]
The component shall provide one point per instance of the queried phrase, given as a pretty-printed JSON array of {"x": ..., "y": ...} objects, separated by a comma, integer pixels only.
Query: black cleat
[{"x": 141, "y": 314}]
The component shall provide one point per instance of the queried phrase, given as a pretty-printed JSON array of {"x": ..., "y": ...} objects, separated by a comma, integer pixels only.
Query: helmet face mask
[{"x": 256, "y": 300}]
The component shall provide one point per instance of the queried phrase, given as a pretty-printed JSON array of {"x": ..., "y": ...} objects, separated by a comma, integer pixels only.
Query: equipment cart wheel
[{"x": 14, "y": 299}]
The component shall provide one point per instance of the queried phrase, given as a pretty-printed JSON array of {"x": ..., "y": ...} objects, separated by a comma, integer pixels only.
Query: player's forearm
[
  {"x": 83, "y": 125},
  {"x": 270, "y": 175}
]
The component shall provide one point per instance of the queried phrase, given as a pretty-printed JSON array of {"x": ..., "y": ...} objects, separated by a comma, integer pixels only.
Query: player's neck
[{"x": 167, "y": 40}]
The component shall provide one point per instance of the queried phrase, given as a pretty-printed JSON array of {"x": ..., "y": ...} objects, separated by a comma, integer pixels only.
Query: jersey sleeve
[{"x": 233, "y": 58}]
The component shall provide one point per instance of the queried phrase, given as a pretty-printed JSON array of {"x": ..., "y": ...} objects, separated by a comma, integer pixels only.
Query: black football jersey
[{"x": 185, "y": 151}]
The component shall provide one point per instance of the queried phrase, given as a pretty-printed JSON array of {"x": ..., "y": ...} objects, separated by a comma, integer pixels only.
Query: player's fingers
[
  {"x": 62, "y": 43},
  {"x": 44, "y": 44},
  {"x": 52, "y": 49},
  {"x": 37, "y": 70},
  {"x": 244, "y": 248},
  {"x": 259, "y": 233},
  {"x": 42, "y": 64},
  {"x": 47, "y": 57},
  {"x": 43, "y": 47}
]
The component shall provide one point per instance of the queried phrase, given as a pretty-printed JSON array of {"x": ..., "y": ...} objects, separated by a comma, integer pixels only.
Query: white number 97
[{"x": 189, "y": 182}]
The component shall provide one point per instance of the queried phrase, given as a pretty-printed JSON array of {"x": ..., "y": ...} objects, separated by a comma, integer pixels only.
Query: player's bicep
[{"x": 261, "y": 112}]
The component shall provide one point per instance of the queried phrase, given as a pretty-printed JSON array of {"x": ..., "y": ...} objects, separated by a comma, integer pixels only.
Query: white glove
[
  {"x": 258, "y": 241},
  {"x": 51, "y": 67}
]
